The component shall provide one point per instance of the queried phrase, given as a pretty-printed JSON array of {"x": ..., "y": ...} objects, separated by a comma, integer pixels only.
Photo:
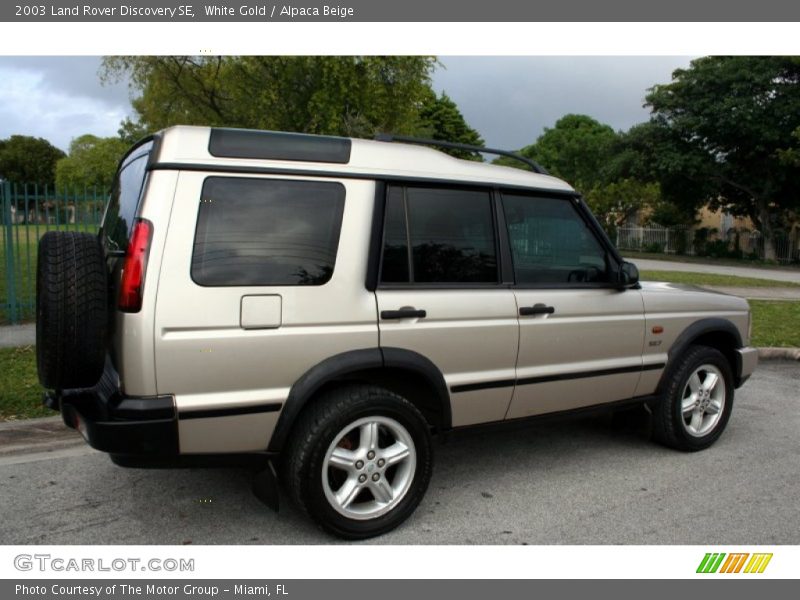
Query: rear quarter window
[
  {"x": 267, "y": 232},
  {"x": 124, "y": 200}
]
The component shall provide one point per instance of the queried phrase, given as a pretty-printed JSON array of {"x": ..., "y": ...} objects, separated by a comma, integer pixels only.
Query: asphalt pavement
[{"x": 584, "y": 481}]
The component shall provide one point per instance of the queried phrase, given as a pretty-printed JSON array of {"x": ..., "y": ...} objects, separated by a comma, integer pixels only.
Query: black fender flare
[
  {"x": 408, "y": 360},
  {"x": 690, "y": 334},
  {"x": 350, "y": 362}
]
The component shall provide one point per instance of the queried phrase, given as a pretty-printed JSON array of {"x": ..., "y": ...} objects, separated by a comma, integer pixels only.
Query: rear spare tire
[{"x": 71, "y": 310}]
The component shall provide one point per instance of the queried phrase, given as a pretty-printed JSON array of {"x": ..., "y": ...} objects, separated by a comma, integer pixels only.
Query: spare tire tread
[{"x": 71, "y": 310}]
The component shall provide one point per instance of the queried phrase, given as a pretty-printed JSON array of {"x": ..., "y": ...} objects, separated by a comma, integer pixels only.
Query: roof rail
[{"x": 388, "y": 137}]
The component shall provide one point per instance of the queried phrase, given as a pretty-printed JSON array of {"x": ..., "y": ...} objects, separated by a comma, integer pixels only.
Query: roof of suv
[{"x": 192, "y": 145}]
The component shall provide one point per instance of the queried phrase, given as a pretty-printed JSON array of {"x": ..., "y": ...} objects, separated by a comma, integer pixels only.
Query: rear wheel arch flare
[{"x": 401, "y": 371}]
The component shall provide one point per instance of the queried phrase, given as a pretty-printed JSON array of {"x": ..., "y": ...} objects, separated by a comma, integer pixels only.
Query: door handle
[
  {"x": 403, "y": 313},
  {"x": 536, "y": 309}
]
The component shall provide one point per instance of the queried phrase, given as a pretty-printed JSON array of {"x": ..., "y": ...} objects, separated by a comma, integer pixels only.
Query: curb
[
  {"x": 35, "y": 422},
  {"x": 779, "y": 354}
]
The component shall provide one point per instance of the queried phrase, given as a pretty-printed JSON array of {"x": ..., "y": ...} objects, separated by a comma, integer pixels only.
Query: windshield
[{"x": 124, "y": 200}]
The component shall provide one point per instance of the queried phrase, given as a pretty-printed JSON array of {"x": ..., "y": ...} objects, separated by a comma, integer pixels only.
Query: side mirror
[{"x": 628, "y": 274}]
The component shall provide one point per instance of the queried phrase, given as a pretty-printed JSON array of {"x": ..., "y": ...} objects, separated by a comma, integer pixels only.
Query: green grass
[
  {"x": 713, "y": 279},
  {"x": 775, "y": 324},
  {"x": 25, "y": 239},
  {"x": 20, "y": 392}
]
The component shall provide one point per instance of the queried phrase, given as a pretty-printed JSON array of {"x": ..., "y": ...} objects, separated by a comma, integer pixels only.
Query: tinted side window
[
  {"x": 451, "y": 236},
  {"x": 267, "y": 232},
  {"x": 551, "y": 243}
]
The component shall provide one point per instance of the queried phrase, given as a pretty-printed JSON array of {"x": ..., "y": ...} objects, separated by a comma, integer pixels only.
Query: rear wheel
[
  {"x": 71, "y": 310},
  {"x": 359, "y": 461},
  {"x": 697, "y": 401}
]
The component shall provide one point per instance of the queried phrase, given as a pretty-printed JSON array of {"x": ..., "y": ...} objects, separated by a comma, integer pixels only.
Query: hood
[{"x": 687, "y": 297}]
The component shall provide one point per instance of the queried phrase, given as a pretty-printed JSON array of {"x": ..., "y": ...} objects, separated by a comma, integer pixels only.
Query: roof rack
[{"x": 388, "y": 137}]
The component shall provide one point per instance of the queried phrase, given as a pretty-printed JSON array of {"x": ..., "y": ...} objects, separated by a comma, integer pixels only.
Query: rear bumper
[
  {"x": 746, "y": 359},
  {"x": 112, "y": 422}
]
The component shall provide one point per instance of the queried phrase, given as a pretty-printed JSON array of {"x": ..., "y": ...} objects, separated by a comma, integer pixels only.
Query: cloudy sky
[{"x": 509, "y": 100}]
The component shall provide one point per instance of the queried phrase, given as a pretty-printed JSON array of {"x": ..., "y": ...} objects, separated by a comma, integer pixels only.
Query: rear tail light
[{"x": 131, "y": 288}]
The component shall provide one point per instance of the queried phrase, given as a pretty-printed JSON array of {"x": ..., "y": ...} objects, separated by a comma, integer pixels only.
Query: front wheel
[
  {"x": 359, "y": 461},
  {"x": 697, "y": 401}
]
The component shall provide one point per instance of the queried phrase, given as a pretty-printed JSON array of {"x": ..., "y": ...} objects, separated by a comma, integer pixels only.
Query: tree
[
  {"x": 734, "y": 118},
  {"x": 440, "y": 119},
  {"x": 651, "y": 154},
  {"x": 576, "y": 149},
  {"x": 338, "y": 95},
  {"x": 598, "y": 161},
  {"x": 25, "y": 159},
  {"x": 615, "y": 202},
  {"x": 92, "y": 162},
  {"x": 791, "y": 156},
  {"x": 131, "y": 132}
]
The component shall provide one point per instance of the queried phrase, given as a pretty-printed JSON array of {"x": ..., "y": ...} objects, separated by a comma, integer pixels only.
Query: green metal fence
[{"x": 27, "y": 212}]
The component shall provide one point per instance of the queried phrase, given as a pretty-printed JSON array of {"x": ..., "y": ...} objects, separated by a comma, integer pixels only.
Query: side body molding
[{"x": 347, "y": 363}]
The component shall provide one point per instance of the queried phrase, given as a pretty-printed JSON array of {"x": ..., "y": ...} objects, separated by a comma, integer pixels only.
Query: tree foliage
[
  {"x": 26, "y": 159},
  {"x": 338, "y": 95},
  {"x": 577, "y": 149},
  {"x": 92, "y": 162},
  {"x": 652, "y": 154},
  {"x": 440, "y": 119},
  {"x": 727, "y": 126},
  {"x": 615, "y": 202}
]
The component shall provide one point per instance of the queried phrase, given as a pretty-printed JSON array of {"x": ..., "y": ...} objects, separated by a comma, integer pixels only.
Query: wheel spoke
[
  {"x": 697, "y": 420},
  {"x": 369, "y": 436},
  {"x": 343, "y": 459},
  {"x": 348, "y": 492},
  {"x": 714, "y": 407},
  {"x": 710, "y": 382},
  {"x": 396, "y": 453},
  {"x": 382, "y": 491},
  {"x": 694, "y": 383},
  {"x": 688, "y": 404}
]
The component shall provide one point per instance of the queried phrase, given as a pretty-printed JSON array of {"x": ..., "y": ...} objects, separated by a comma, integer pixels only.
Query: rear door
[
  {"x": 262, "y": 278},
  {"x": 441, "y": 294},
  {"x": 581, "y": 337}
]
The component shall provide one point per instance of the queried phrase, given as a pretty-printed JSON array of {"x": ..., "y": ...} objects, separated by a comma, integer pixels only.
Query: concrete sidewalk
[
  {"x": 14, "y": 336},
  {"x": 645, "y": 264}
]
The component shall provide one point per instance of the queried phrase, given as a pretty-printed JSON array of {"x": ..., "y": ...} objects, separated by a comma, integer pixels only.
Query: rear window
[
  {"x": 124, "y": 200},
  {"x": 267, "y": 232}
]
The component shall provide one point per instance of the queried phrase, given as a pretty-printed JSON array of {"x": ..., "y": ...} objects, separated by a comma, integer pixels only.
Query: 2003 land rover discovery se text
[{"x": 329, "y": 304}]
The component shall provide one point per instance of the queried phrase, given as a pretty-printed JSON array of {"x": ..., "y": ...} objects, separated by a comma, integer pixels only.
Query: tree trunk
[{"x": 765, "y": 227}]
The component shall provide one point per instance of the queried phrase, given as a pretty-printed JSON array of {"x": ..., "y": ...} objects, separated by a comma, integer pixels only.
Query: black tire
[
  {"x": 71, "y": 310},
  {"x": 669, "y": 426},
  {"x": 317, "y": 428}
]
